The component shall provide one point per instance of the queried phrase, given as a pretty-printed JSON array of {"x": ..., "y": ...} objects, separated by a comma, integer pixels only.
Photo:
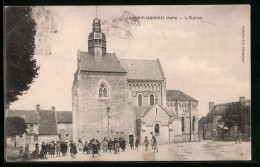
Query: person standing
[
  {"x": 44, "y": 150},
  {"x": 74, "y": 150},
  {"x": 80, "y": 144},
  {"x": 105, "y": 144},
  {"x": 71, "y": 149},
  {"x": 52, "y": 149},
  {"x": 136, "y": 143},
  {"x": 85, "y": 148},
  {"x": 123, "y": 145},
  {"x": 146, "y": 143},
  {"x": 131, "y": 143},
  {"x": 239, "y": 137},
  {"x": 27, "y": 151},
  {"x": 21, "y": 151},
  {"x": 58, "y": 149},
  {"x": 110, "y": 145},
  {"x": 95, "y": 148},
  {"x": 117, "y": 147},
  {"x": 155, "y": 148},
  {"x": 37, "y": 151}
]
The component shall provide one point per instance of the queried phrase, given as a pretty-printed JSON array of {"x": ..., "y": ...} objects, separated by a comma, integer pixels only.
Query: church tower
[{"x": 97, "y": 40}]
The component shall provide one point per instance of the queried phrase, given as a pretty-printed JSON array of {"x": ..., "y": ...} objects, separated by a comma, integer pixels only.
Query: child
[{"x": 21, "y": 151}]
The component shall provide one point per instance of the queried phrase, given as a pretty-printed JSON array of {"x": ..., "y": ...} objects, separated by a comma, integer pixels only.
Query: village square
[{"x": 122, "y": 109}]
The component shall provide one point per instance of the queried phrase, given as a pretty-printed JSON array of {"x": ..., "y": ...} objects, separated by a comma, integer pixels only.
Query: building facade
[
  {"x": 110, "y": 97},
  {"x": 212, "y": 128},
  {"x": 42, "y": 126}
]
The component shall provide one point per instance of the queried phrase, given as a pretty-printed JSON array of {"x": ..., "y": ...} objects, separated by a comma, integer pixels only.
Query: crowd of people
[{"x": 93, "y": 147}]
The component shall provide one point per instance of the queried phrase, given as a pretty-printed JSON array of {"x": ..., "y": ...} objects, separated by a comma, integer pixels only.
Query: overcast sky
[{"x": 202, "y": 58}]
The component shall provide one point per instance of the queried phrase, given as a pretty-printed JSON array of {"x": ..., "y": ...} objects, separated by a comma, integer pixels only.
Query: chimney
[
  {"x": 241, "y": 99},
  {"x": 211, "y": 105},
  {"x": 38, "y": 108},
  {"x": 53, "y": 108}
]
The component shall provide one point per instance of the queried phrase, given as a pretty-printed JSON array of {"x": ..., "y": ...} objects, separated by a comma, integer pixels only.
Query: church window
[
  {"x": 156, "y": 128},
  {"x": 140, "y": 100},
  {"x": 193, "y": 123},
  {"x": 103, "y": 91},
  {"x": 182, "y": 124},
  {"x": 151, "y": 100}
]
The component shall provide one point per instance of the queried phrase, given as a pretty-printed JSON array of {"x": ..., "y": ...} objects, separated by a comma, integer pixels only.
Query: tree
[
  {"x": 237, "y": 114},
  {"x": 20, "y": 66},
  {"x": 15, "y": 126}
]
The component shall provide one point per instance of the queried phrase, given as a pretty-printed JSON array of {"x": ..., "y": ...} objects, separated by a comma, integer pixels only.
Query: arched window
[
  {"x": 103, "y": 91},
  {"x": 156, "y": 128},
  {"x": 140, "y": 100},
  {"x": 193, "y": 123},
  {"x": 182, "y": 124},
  {"x": 151, "y": 100}
]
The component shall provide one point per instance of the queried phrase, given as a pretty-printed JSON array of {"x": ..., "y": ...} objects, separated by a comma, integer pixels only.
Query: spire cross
[{"x": 96, "y": 11}]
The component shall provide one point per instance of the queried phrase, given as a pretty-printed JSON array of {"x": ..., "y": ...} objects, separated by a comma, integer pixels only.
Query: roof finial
[{"x": 96, "y": 11}]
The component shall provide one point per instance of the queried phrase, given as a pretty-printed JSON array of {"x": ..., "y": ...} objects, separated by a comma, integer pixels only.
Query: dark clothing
[
  {"x": 136, "y": 143},
  {"x": 123, "y": 145},
  {"x": 110, "y": 145},
  {"x": 94, "y": 148},
  {"x": 131, "y": 143}
]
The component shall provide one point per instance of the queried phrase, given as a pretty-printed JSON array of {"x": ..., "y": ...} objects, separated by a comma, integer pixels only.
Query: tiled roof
[
  {"x": 142, "y": 69},
  {"x": 30, "y": 116},
  {"x": 146, "y": 110},
  {"x": 47, "y": 123},
  {"x": 140, "y": 110},
  {"x": 219, "y": 109},
  {"x": 172, "y": 95},
  {"x": 107, "y": 63},
  {"x": 64, "y": 116}
]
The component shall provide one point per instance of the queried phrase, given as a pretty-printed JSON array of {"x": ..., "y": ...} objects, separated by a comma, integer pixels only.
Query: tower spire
[{"x": 96, "y": 11}]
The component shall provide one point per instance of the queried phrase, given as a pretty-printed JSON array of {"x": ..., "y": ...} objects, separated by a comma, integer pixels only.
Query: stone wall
[
  {"x": 90, "y": 111},
  {"x": 65, "y": 128}
]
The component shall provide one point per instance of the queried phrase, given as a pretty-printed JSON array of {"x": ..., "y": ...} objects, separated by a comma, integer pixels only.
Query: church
[{"x": 113, "y": 97}]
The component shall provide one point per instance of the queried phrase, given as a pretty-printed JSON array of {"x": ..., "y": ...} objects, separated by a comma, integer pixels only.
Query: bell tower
[{"x": 97, "y": 40}]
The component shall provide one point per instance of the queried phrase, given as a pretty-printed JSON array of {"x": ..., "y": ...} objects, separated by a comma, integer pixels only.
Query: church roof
[
  {"x": 140, "y": 110},
  {"x": 172, "y": 95},
  {"x": 108, "y": 63},
  {"x": 64, "y": 116},
  {"x": 142, "y": 69}
]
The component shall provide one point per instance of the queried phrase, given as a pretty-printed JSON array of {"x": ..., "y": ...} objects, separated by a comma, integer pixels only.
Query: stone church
[{"x": 114, "y": 97}]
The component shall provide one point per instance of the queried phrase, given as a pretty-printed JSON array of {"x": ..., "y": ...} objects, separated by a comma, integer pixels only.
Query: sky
[{"x": 201, "y": 57}]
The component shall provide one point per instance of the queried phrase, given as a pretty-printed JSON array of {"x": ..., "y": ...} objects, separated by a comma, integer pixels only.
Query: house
[
  {"x": 212, "y": 128},
  {"x": 42, "y": 125}
]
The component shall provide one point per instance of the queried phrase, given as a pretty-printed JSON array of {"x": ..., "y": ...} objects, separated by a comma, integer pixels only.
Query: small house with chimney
[
  {"x": 212, "y": 128},
  {"x": 42, "y": 126}
]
